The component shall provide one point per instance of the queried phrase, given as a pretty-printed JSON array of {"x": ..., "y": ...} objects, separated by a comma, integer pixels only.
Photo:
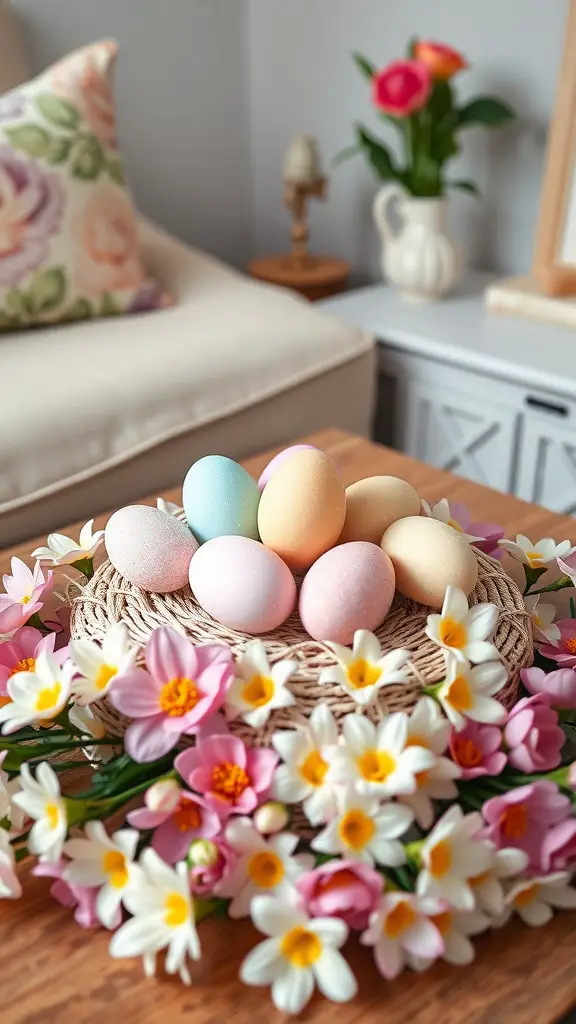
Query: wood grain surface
[{"x": 53, "y": 972}]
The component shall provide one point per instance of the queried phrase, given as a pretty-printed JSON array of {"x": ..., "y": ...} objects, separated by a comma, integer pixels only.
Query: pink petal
[
  {"x": 219, "y": 749},
  {"x": 533, "y": 678},
  {"x": 135, "y": 693},
  {"x": 212, "y": 654},
  {"x": 169, "y": 655},
  {"x": 145, "y": 740},
  {"x": 518, "y": 726},
  {"x": 142, "y": 818},
  {"x": 187, "y": 762},
  {"x": 260, "y": 766}
]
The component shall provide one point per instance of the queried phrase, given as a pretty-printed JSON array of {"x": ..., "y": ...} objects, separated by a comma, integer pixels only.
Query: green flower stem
[
  {"x": 572, "y": 608},
  {"x": 560, "y": 584},
  {"x": 85, "y": 566},
  {"x": 204, "y": 908},
  {"x": 37, "y": 623}
]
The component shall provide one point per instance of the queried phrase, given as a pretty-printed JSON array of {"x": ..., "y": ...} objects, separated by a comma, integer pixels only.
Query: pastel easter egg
[
  {"x": 350, "y": 587},
  {"x": 428, "y": 556},
  {"x": 220, "y": 499},
  {"x": 302, "y": 508},
  {"x": 242, "y": 584},
  {"x": 278, "y": 460},
  {"x": 149, "y": 548},
  {"x": 373, "y": 504}
]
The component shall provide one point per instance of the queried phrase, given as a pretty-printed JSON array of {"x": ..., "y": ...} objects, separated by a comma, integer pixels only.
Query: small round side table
[{"x": 315, "y": 277}]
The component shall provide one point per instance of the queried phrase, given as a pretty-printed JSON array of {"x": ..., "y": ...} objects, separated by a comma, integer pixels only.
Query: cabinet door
[{"x": 547, "y": 471}]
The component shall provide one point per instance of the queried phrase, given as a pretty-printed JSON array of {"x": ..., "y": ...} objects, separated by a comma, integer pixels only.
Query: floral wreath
[{"x": 427, "y": 828}]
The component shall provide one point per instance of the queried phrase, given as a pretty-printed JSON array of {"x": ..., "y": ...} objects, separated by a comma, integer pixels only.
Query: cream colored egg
[
  {"x": 429, "y": 556},
  {"x": 373, "y": 504}
]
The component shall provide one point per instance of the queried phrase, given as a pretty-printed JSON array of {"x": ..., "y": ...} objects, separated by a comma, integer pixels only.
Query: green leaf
[
  {"x": 486, "y": 111},
  {"x": 17, "y": 305},
  {"x": 31, "y": 138},
  {"x": 444, "y": 147},
  {"x": 379, "y": 156},
  {"x": 345, "y": 154},
  {"x": 411, "y": 47},
  {"x": 48, "y": 289},
  {"x": 364, "y": 66},
  {"x": 441, "y": 102},
  {"x": 59, "y": 112},
  {"x": 79, "y": 310},
  {"x": 88, "y": 159},
  {"x": 115, "y": 169},
  {"x": 465, "y": 185},
  {"x": 59, "y": 150},
  {"x": 109, "y": 305}
]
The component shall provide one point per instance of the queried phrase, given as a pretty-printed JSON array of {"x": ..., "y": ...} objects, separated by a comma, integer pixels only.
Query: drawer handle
[{"x": 542, "y": 405}]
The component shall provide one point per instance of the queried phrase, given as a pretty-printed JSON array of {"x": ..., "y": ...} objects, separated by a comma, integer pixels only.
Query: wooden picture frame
[{"x": 558, "y": 193}]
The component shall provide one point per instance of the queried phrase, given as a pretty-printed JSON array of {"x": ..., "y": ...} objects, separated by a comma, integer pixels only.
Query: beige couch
[{"x": 98, "y": 413}]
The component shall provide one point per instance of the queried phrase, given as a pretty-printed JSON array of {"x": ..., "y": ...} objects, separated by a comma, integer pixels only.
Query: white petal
[
  {"x": 535, "y": 913},
  {"x": 458, "y": 949},
  {"x": 393, "y": 732},
  {"x": 359, "y": 733},
  {"x": 455, "y": 604},
  {"x": 291, "y": 991},
  {"x": 291, "y": 744},
  {"x": 330, "y": 930},
  {"x": 271, "y": 917},
  {"x": 323, "y": 725},
  {"x": 262, "y": 964},
  {"x": 334, "y": 977},
  {"x": 288, "y": 786},
  {"x": 107, "y": 903}
]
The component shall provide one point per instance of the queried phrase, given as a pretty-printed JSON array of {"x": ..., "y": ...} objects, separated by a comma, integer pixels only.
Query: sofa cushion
[{"x": 79, "y": 399}]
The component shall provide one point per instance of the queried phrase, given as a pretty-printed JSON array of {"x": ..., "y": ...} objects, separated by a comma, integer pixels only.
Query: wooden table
[
  {"x": 318, "y": 277},
  {"x": 52, "y": 971}
]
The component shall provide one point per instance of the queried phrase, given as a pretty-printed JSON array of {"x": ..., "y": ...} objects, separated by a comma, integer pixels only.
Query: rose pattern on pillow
[{"x": 68, "y": 227}]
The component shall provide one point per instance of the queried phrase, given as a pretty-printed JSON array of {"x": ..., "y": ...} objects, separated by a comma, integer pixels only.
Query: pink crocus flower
[
  {"x": 177, "y": 827},
  {"x": 206, "y": 878},
  {"x": 346, "y": 889},
  {"x": 533, "y": 735},
  {"x": 572, "y": 775},
  {"x": 183, "y": 685},
  {"x": 25, "y": 591},
  {"x": 564, "y": 652},
  {"x": 233, "y": 778},
  {"x": 79, "y": 897},
  {"x": 567, "y": 566},
  {"x": 521, "y": 817},
  {"x": 20, "y": 652},
  {"x": 559, "y": 847},
  {"x": 490, "y": 533},
  {"x": 559, "y": 685},
  {"x": 477, "y": 750}
]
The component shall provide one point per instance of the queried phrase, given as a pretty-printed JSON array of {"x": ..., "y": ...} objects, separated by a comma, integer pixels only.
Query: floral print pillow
[{"x": 68, "y": 230}]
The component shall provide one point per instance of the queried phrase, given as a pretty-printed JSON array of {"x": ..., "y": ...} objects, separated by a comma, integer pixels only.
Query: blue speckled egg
[{"x": 220, "y": 499}]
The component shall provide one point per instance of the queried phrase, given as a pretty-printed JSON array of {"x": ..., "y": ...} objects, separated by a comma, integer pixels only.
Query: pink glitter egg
[
  {"x": 349, "y": 587},
  {"x": 150, "y": 549}
]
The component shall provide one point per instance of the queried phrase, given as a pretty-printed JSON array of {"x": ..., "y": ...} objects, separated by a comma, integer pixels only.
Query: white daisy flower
[
  {"x": 170, "y": 507},
  {"x": 455, "y": 928},
  {"x": 306, "y": 753},
  {"x": 62, "y": 550},
  {"x": 10, "y": 887},
  {"x": 375, "y": 758},
  {"x": 400, "y": 930},
  {"x": 91, "y": 727},
  {"x": 428, "y": 728},
  {"x": 258, "y": 688},
  {"x": 451, "y": 856},
  {"x": 542, "y": 618},
  {"x": 363, "y": 671},
  {"x": 99, "y": 664},
  {"x": 462, "y": 630},
  {"x": 363, "y": 829},
  {"x": 441, "y": 512},
  {"x": 299, "y": 954},
  {"x": 536, "y": 555},
  {"x": 37, "y": 696},
  {"x": 488, "y": 888},
  {"x": 98, "y": 860},
  {"x": 265, "y": 866},
  {"x": 40, "y": 799},
  {"x": 162, "y": 911},
  {"x": 535, "y": 899},
  {"x": 468, "y": 692},
  {"x": 9, "y": 812}
]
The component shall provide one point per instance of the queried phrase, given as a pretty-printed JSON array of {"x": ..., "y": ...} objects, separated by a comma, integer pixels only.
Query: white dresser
[{"x": 489, "y": 397}]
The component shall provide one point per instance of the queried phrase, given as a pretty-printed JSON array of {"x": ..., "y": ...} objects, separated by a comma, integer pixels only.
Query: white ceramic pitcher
[{"x": 420, "y": 258}]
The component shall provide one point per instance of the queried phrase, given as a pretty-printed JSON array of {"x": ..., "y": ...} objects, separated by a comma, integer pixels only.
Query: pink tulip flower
[
  {"x": 25, "y": 591},
  {"x": 183, "y": 686},
  {"x": 559, "y": 847},
  {"x": 346, "y": 889},
  {"x": 477, "y": 750},
  {"x": 233, "y": 779},
  {"x": 177, "y": 827},
  {"x": 521, "y": 818},
  {"x": 560, "y": 685},
  {"x": 533, "y": 735},
  {"x": 79, "y": 897},
  {"x": 20, "y": 652},
  {"x": 564, "y": 652}
]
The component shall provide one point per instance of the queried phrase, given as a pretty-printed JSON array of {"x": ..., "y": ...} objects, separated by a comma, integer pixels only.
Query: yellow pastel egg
[
  {"x": 373, "y": 504},
  {"x": 428, "y": 556},
  {"x": 302, "y": 508}
]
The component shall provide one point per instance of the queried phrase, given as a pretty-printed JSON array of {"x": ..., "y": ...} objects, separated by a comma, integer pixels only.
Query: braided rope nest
[{"x": 108, "y": 598}]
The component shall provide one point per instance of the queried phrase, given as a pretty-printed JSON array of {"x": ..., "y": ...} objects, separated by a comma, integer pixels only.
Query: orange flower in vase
[{"x": 441, "y": 60}]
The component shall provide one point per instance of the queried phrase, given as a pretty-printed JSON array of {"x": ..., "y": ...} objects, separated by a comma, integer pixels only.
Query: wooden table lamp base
[{"x": 315, "y": 277}]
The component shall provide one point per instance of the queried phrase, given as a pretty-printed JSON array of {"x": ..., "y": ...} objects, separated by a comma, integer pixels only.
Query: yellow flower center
[
  {"x": 466, "y": 753},
  {"x": 514, "y": 821},
  {"x": 417, "y": 741},
  {"x": 301, "y": 947},
  {"x": 179, "y": 696},
  {"x": 455, "y": 526},
  {"x": 356, "y": 829},
  {"x": 376, "y": 765},
  {"x": 440, "y": 859},
  {"x": 535, "y": 558},
  {"x": 453, "y": 633},
  {"x": 478, "y": 880},
  {"x": 48, "y": 697},
  {"x": 525, "y": 896},
  {"x": 362, "y": 673},
  {"x": 570, "y": 644},
  {"x": 459, "y": 694},
  {"x": 105, "y": 674},
  {"x": 442, "y": 921},
  {"x": 25, "y": 600},
  {"x": 187, "y": 816},
  {"x": 115, "y": 867},
  {"x": 52, "y": 812},
  {"x": 258, "y": 691},
  {"x": 4, "y": 700},
  {"x": 314, "y": 769},
  {"x": 399, "y": 919},
  {"x": 229, "y": 781},
  {"x": 266, "y": 869},
  {"x": 24, "y": 665},
  {"x": 177, "y": 910}
]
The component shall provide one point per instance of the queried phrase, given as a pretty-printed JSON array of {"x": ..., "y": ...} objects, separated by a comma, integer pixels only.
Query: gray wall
[
  {"x": 183, "y": 105},
  {"x": 302, "y": 79}
]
